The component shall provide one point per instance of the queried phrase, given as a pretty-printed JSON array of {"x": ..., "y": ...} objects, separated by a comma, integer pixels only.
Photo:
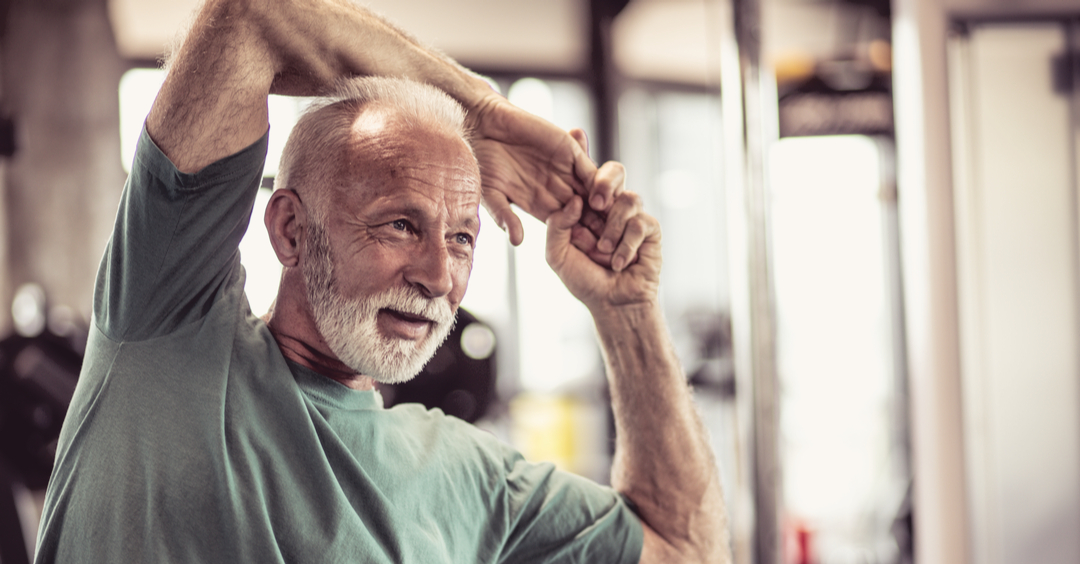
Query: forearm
[
  {"x": 213, "y": 102},
  {"x": 662, "y": 459},
  {"x": 321, "y": 41}
]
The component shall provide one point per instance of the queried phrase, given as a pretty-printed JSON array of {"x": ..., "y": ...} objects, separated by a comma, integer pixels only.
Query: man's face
[{"x": 386, "y": 275}]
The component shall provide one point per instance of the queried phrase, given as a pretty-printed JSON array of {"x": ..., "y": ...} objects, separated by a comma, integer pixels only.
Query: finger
[
  {"x": 584, "y": 167},
  {"x": 639, "y": 229},
  {"x": 582, "y": 139},
  {"x": 567, "y": 217},
  {"x": 499, "y": 207},
  {"x": 585, "y": 241},
  {"x": 560, "y": 230},
  {"x": 627, "y": 205},
  {"x": 609, "y": 182},
  {"x": 593, "y": 221}
]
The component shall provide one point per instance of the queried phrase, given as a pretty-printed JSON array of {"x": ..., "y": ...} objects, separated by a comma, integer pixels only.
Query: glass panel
[
  {"x": 559, "y": 414},
  {"x": 557, "y": 346},
  {"x": 670, "y": 143}
]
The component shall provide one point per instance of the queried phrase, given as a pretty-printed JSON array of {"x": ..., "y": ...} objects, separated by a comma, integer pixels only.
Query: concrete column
[{"x": 60, "y": 73}]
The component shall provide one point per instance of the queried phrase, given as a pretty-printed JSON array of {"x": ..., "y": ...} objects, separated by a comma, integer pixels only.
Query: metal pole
[
  {"x": 750, "y": 111},
  {"x": 602, "y": 77}
]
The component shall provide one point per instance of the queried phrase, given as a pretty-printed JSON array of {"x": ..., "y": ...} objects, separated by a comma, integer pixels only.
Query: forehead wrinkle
[
  {"x": 393, "y": 156},
  {"x": 385, "y": 155},
  {"x": 432, "y": 180},
  {"x": 456, "y": 181}
]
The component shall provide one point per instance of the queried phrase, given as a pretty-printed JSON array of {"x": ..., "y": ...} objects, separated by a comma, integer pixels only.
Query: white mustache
[{"x": 407, "y": 299}]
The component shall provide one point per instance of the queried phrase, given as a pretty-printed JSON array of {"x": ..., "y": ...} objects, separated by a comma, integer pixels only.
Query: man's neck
[{"x": 304, "y": 355}]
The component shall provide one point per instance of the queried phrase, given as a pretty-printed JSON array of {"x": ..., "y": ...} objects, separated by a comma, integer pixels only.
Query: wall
[
  {"x": 928, "y": 226},
  {"x": 1017, "y": 252},
  {"x": 60, "y": 75}
]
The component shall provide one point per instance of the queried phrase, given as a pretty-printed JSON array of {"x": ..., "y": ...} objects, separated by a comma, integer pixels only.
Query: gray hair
[{"x": 308, "y": 162}]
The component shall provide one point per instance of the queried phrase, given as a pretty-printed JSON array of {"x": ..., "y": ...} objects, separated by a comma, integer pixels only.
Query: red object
[
  {"x": 798, "y": 542},
  {"x": 803, "y": 536}
]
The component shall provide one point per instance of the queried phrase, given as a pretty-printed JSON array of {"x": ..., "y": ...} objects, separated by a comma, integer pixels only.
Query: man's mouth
[
  {"x": 405, "y": 316},
  {"x": 404, "y": 325}
]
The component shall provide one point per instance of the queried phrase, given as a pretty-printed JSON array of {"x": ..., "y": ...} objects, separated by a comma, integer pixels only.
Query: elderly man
[{"x": 200, "y": 433}]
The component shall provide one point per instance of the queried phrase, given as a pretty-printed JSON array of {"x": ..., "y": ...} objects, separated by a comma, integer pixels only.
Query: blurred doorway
[{"x": 843, "y": 416}]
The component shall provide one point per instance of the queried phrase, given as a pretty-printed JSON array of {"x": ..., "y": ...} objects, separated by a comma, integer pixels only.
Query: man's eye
[
  {"x": 464, "y": 239},
  {"x": 400, "y": 225}
]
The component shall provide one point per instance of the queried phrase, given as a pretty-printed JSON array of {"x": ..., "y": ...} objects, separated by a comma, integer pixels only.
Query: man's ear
[{"x": 285, "y": 218}]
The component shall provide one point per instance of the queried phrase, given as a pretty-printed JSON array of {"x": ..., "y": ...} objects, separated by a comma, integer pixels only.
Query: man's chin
[
  {"x": 397, "y": 360},
  {"x": 384, "y": 351}
]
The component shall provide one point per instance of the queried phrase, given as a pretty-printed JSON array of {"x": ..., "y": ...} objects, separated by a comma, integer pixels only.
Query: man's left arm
[{"x": 663, "y": 463}]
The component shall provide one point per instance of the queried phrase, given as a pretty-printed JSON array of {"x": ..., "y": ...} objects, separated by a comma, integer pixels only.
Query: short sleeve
[
  {"x": 174, "y": 243},
  {"x": 558, "y": 517}
]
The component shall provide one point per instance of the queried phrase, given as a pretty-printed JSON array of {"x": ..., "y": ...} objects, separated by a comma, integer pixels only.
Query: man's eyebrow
[{"x": 470, "y": 223}]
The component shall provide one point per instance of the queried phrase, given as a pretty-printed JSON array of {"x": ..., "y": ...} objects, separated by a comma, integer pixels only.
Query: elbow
[{"x": 696, "y": 533}]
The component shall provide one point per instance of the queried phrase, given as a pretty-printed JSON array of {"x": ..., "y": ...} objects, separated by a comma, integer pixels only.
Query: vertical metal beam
[
  {"x": 750, "y": 112},
  {"x": 602, "y": 77},
  {"x": 928, "y": 231}
]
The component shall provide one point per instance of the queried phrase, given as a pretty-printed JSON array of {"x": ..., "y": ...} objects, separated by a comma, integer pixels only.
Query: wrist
[
  {"x": 480, "y": 103},
  {"x": 477, "y": 93},
  {"x": 632, "y": 314}
]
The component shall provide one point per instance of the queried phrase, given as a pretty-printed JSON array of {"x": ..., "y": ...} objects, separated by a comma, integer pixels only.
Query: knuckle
[
  {"x": 620, "y": 202},
  {"x": 654, "y": 226},
  {"x": 629, "y": 200}
]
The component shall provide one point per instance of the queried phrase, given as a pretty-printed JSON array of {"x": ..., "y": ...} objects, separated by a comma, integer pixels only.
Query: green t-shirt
[{"x": 191, "y": 439}]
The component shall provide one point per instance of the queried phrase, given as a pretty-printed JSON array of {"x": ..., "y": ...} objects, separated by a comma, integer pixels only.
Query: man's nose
[{"x": 430, "y": 269}]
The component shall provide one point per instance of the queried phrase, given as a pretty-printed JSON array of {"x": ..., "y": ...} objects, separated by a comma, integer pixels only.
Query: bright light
[
  {"x": 487, "y": 295},
  {"x": 833, "y": 331},
  {"x": 28, "y": 310},
  {"x": 138, "y": 88},
  {"x": 557, "y": 344},
  {"x": 259, "y": 260},
  {"x": 283, "y": 112},
  {"x": 533, "y": 95}
]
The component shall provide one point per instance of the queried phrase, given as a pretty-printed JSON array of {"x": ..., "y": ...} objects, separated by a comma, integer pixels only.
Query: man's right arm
[
  {"x": 663, "y": 462},
  {"x": 213, "y": 102}
]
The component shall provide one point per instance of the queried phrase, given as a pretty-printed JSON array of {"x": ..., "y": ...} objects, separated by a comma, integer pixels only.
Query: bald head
[{"x": 361, "y": 118}]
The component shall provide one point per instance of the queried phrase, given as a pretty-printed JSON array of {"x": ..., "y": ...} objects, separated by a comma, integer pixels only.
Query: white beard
[{"x": 350, "y": 325}]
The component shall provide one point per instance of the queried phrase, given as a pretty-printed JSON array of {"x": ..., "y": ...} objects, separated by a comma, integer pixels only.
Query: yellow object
[{"x": 565, "y": 430}]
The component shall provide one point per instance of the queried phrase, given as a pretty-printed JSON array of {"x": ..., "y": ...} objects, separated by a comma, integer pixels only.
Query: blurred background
[{"x": 871, "y": 238}]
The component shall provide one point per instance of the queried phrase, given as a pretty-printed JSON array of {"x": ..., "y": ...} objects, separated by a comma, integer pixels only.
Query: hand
[
  {"x": 529, "y": 162},
  {"x": 630, "y": 275}
]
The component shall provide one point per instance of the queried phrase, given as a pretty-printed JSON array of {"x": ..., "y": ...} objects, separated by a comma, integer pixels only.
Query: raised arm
[
  {"x": 213, "y": 102},
  {"x": 662, "y": 459}
]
